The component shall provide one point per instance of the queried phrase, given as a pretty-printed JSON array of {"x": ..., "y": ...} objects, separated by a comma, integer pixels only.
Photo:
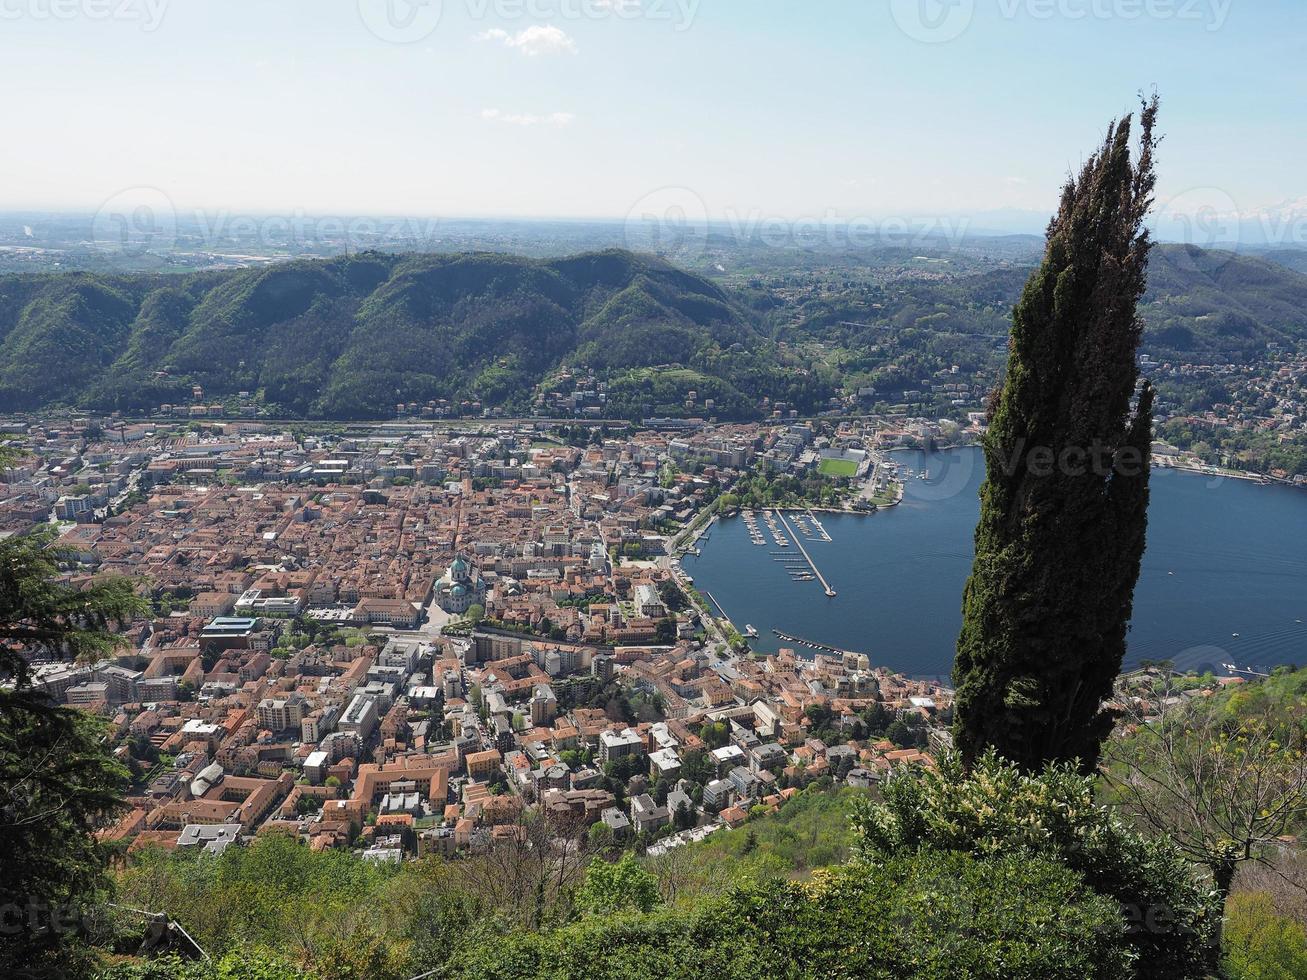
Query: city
[{"x": 395, "y": 640}]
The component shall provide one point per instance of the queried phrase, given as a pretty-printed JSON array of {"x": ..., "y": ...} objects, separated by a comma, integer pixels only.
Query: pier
[
  {"x": 821, "y": 528},
  {"x": 804, "y": 551},
  {"x": 814, "y": 645}
]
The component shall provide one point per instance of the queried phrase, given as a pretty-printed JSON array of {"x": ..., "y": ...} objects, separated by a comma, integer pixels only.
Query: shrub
[
  {"x": 931, "y": 915},
  {"x": 995, "y": 810},
  {"x": 1260, "y": 945}
]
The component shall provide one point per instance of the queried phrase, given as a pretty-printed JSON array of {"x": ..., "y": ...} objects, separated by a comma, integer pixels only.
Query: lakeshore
[{"x": 1223, "y": 581}]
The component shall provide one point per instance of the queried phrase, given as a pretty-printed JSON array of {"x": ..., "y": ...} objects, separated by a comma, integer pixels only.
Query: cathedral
[{"x": 460, "y": 588}]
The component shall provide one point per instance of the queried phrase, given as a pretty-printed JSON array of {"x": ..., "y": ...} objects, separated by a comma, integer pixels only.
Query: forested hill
[
  {"x": 1212, "y": 303},
  {"x": 350, "y": 337}
]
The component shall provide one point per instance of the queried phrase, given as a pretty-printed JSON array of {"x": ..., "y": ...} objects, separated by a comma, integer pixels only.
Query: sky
[{"x": 747, "y": 109}]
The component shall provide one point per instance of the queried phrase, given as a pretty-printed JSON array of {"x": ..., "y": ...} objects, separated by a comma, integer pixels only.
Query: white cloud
[
  {"x": 533, "y": 40},
  {"x": 527, "y": 119}
]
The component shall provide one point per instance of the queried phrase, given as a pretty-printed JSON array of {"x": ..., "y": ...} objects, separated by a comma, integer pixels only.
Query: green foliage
[
  {"x": 1060, "y": 537},
  {"x": 614, "y": 889},
  {"x": 275, "y": 895},
  {"x": 929, "y": 915},
  {"x": 58, "y": 782},
  {"x": 349, "y": 337},
  {"x": 1261, "y": 945},
  {"x": 996, "y": 810},
  {"x": 246, "y": 965},
  {"x": 811, "y": 830},
  {"x": 1224, "y": 777},
  {"x": 760, "y": 489},
  {"x": 46, "y": 616}
]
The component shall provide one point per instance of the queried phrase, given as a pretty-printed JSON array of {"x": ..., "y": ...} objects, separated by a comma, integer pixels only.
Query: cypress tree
[{"x": 1065, "y": 500}]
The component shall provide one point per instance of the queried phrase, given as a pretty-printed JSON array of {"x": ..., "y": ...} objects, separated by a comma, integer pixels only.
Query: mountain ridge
[{"x": 353, "y": 336}]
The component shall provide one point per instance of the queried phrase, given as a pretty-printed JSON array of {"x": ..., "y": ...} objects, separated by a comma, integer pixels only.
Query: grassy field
[{"x": 838, "y": 467}]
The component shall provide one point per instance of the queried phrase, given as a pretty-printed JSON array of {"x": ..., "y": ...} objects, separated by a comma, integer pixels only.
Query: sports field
[{"x": 838, "y": 467}]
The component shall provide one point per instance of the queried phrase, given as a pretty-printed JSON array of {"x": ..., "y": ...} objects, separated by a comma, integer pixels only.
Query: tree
[
  {"x": 1226, "y": 790},
  {"x": 476, "y": 612},
  {"x": 1261, "y": 945},
  {"x": 611, "y": 889},
  {"x": 41, "y": 616},
  {"x": 1064, "y": 504},
  {"x": 994, "y": 810},
  {"x": 684, "y": 817},
  {"x": 58, "y": 782}
]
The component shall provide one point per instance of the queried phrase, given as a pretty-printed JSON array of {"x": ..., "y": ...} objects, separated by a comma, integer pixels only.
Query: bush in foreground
[
  {"x": 997, "y": 811},
  {"x": 931, "y": 915}
]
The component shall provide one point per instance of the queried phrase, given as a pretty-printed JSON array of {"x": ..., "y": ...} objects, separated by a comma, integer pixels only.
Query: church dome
[{"x": 460, "y": 570}]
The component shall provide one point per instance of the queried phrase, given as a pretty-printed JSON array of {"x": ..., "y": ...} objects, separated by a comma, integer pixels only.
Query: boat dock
[
  {"x": 814, "y": 645},
  {"x": 830, "y": 591},
  {"x": 820, "y": 528}
]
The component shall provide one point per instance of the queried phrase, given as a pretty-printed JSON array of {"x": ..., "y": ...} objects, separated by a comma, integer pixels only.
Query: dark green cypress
[{"x": 1064, "y": 505}]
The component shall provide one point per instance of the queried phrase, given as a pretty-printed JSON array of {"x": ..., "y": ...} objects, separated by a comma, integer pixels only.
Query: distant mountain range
[{"x": 350, "y": 337}]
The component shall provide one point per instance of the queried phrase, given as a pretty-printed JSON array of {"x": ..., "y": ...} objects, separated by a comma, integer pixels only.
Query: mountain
[
  {"x": 1291, "y": 257},
  {"x": 350, "y": 337},
  {"x": 1206, "y": 302},
  {"x": 1200, "y": 304}
]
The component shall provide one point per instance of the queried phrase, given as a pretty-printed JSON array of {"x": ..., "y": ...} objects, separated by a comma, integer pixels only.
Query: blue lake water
[{"x": 1224, "y": 557}]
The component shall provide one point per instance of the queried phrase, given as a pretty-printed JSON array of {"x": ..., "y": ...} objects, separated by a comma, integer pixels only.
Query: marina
[{"x": 1223, "y": 556}]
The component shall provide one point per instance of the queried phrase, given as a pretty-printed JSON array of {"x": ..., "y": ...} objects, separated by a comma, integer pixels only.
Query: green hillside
[
  {"x": 350, "y": 337},
  {"x": 1198, "y": 302}
]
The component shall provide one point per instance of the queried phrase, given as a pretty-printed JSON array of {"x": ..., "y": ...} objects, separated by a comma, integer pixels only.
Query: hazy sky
[{"x": 843, "y": 108}]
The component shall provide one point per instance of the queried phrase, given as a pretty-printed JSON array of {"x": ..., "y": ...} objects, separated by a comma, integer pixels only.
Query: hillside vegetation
[{"x": 350, "y": 337}]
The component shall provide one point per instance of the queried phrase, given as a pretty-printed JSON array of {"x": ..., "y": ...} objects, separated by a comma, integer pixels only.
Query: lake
[{"x": 1224, "y": 579}]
